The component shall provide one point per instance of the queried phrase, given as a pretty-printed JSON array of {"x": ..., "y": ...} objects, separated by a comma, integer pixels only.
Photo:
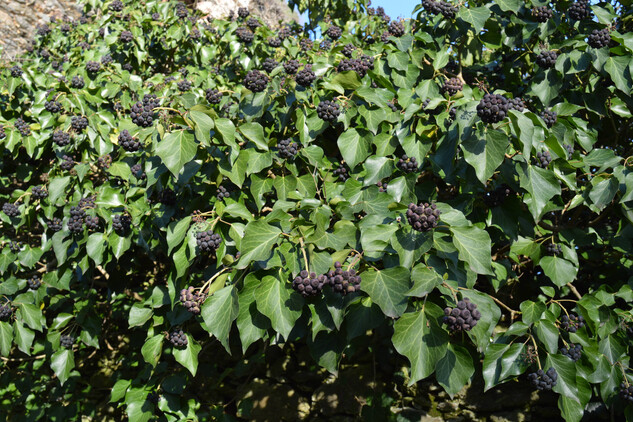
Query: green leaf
[
  {"x": 203, "y": 125},
  {"x": 219, "y": 311},
  {"x": 6, "y": 338},
  {"x": 251, "y": 323},
  {"x": 425, "y": 280},
  {"x": 474, "y": 246},
  {"x": 139, "y": 315},
  {"x": 532, "y": 311},
  {"x": 485, "y": 154},
  {"x": 559, "y": 270},
  {"x": 177, "y": 149},
  {"x": 455, "y": 369},
  {"x": 96, "y": 246},
  {"x": 152, "y": 349},
  {"x": 254, "y": 132},
  {"x": 566, "y": 369},
  {"x": 57, "y": 188},
  {"x": 188, "y": 357},
  {"x": 342, "y": 81},
  {"x": 547, "y": 333},
  {"x": 388, "y": 289},
  {"x": 257, "y": 244},
  {"x": 419, "y": 338},
  {"x": 176, "y": 233},
  {"x": 541, "y": 186},
  {"x": 62, "y": 362},
  {"x": 31, "y": 315},
  {"x": 476, "y": 16},
  {"x": 276, "y": 300},
  {"x": 618, "y": 69},
  {"x": 377, "y": 168},
  {"x": 353, "y": 147}
]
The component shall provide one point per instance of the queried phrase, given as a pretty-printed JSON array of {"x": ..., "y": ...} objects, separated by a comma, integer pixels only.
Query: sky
[{"x": 393, "y": 8}]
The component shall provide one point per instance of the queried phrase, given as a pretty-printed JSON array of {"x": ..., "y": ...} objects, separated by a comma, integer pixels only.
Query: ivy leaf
[
  {"x": 139, "y": 315},
  {"x": 202, "y": 125},
  {"x": 425, "y": 279},
  {"x": 476, "y": 16},
  {"x": 177, "y": 149},
  {"x": 618, "y": 69},
  {"x": 176, "y": 233},
  {"x": 377, "y": 168},
  {"x": 419, "y": 338},
  {"x": 251, "y": 323},
  {"x": 62, "y": 362},
  {"x": 474, "y": 246},
  {"x": 188, "y": 357},
  {"x": 6, "y": 338},
  {"x": 353, "y": 147},
  {"x": 566, "y": 370},
  {"x": 219, "y": 311},
  {"x": 485, "y": 154},
  {"x": 559, "y": 270},
  {"x": 541, "y": 186},
  {"x": 31, "y": 315},
  {"x": 257, "y": 244},
  {"x": 276, "y": 301},
  {"x": 532, "y": 311},
  {"x": 152, "y": 349},
  {"x": 455, "y": 369},
  {"x": 387, "y": 288},
  {"x": 254, "y": 132}
]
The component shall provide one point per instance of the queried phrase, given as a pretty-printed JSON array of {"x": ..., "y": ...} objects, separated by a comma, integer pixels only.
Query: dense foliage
[{"x": 180, "y": 195}]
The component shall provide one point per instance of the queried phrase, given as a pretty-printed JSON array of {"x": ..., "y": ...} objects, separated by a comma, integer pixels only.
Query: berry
[
  {"x": 543, "y": 381},
  {"x": 361, "y": 65},
  {"x": 92, "y": 223},
  {"x": 66, "y": 341},
  {"x": 93, "y": 67},
  {"x": 142, "y": 114},
  {"x": 553, "y": 249},
  {"x": 167, "y": 197},
  {"x": 22, "y": 126},
  {"x": 104, "y": 162},
  {"x": 213, "y": 96},
  {"x": 243, "y": 12},
  {"x": 382, "y": 186},
  {"x": 269, "y": 65},
  {"x": 34, "y": 282},
  {"x": 156, "y": 16},
  {"x": 16, "y": 71},
  {"x": 2, "y": 133},
  {"x": 53, "y": 106},
  {"x": 61, "y": 138},
  {"x": 11, "y": 210},
  {"x": 542, "y": 14},
  {"x": 431, "y": 6},
  {"x": 543, "y": 158},
  {"x": 570, "y": 150},
  {"x": 184, "y": 85},
  {"x": 343, "y": 282},
  {"x": 599, "y": 38},
  {"x": 328, "y": 110},
  {"x": 256, "y": 81},
  {"x": 87, "y": 202},
  {"x": 572, "y": 322},
  {"x": 447, "y": 10},
  {"x": 291, "y": 67},
  {"x": 423, "y": 217},
  {"x": 309, "y": 284},
  {"x": 579, "y": 10},
  {"x": 181, "y": 10},
  {"x": 137, "y": 171},
  {"x": 15, "y": 246},
  {"x": 116, "y": 6},
  {"x": 546, "y": 58},
  {"x": 253, "y": 24},
  {"x": 573, "y": 352},
  {"x": 244, "y": 34},
  {"x": 67, "y": 163},
  {"x": 463, "y": 317},
  {"x": 274, "y": 42},
  {"x": 325, "y": 45},
  {"x": 178, "y": 339},
  {"x": 192, "y": 300},
  {"x": 334, "y": 32},
  {"x": 77, "y": 82},
  {"x": 6, "y": 311},
  {"x": 127, "y": 142},
  {"x": 39, "y": 192},
  {"x": 126, "y": 37},
  {"x": 341, "y": 172},
  {"x": 549, "y": 117},
  {"x": 626, "y": 391},
  {"x": 396, "y": 28},
  {"x": 208, "y": 241},
  {"x": 516, "y": 104},
  {"x": 305, "y": 77},
  {"x": 222, "y": 193},
  {"x": 492, "y": 108},
  {"x": 452, "y": 86},
  {"x": 496, "y": 197},
  {"x": 121, "y": 224},
  {"x": 55, "y": 224},
  {"x": 306, "y": 44},
  {"x": 393, "y": 107},
  {"x": 79, "y": 123},
  {"x": 287, "y": 148},
  {"x": 408, "y": 164},
  {"x": 348, "y": 50}
]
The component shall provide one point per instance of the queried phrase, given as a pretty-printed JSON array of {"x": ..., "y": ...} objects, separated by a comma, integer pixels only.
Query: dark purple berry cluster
[
  {"x": 269, "y": 64},
  {"x": 570, "y": 150},
  {"x": 408, "y": 164},
  {"x": 116, "y": 6},
  {"x": 256, "y": 81},
  {"x": 543, "y": 158},
  {"x": 66, "y": 341},
  {"x": 55, "y": 224},
  {"x": 492, "y": 108},
  {"x": 77, "y": 82},
  {"x": 274, "y": 42},
  {"x": 287, "y": 148},
  {"x": 549, "y": 117},
  {"x": 572, "y": 322},
  {"x": 11, "y": 210},
  {"x": 67, "y": 163},
  {"x": 463, "y": 317},
  {"x": 184, "y": 85},
  {"x": 34, "y": 282},
  {"x": 328, "y": 110},
  {"x": 348, "y": 50},
  {"x": 222, "y": 193},
  {"x": 361, "y": 65},
  {"x": 309, "y": 284},
  {"x": 542, "y": 14},
  {"x": 543, "y": 381},
  {"x": 243, "y": 12},
  {"x": 178, "y": 339},
  {"x": 436, "y": 7},
  {"x": 334, "y": 32},
  {"x": 553, "y": 249},
  {"x": 599, "y": 38},
  {"x": 253, "y": 23},
  {"x": 16, "y": 71},
  {"x": 382, "y": 186},
  {"x": 573, "y": 351},
  {"x": 39, "y": 192},
  {"x": 93, "y": 67},
  {"x": 452, "y": 86},
  {"x": 208, "y": 241},
  {"x": 53, "y": 106},
  {"x": 516, "y": 104},
  {"x": 192, "y": 299},
  {"x": 92, "y": 223},
  {"x": 341, "y": 172},
  {"x": 306, "y": 76},
  {"x": 343, "y": 281},
  {"x": 423, "y": 217},
  {"x": 291, "y": 66},
  {"x": 121, "y": 224},
  {"x": 79, "y": 123},
  {"x": 76, "y": 221},
  {"x": 244, "y": 34},
  {"x": 626, "y": 391},
  {"x": 127, "y": 142},
  {"x": 396, "y": 28},
  {"x": 579, "y": 10},
  {"x": 142, "y": 113},
  {"x": 213, "y": 96},
  {"x": 22, "y": 126},
  {"x": 6, "y": 311},
  {"x": 61, "y": 138},
  {"x": 126, "y": 37}
]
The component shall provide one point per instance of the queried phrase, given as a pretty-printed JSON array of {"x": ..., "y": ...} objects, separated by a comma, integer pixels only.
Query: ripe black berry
[
  {"x": 543, "y": 158},
  {"x": 87, "y": 202},
  {"x": 452, "y": 86},
  {"x": 579, "y": 10},
  {"x": 516, "y": 104},
  {"x": 334, "y": 32},
  {"x": 121, "y": 224},
  {"x": 447, "y": 10},
  {"x": 79, "y": 123},
  {"x": 67, "y": 163},
  {"x": 463, "y": 317},
  {"x": 253, "y": 23},
  {"x": 53, "y": 106},
  {"x": 93, "y": 67},
  {"x": 306, "y": 76},
  {"x": 496, "y": 197},
  {"x": 553, "y": 249},
  {"x": 291, "y": 67},
  {"x": 572, "y": 322},
  {"x": 492, "y": 108},
  {"x": 274, "y": 42},
  {"x": 549, "y": 117},
  {"x": 10, "y": 209},
  {"x": 55, "y": 224},
  {"x": 208, "y": 241},
  {"x": 287, "y": 148},
  {"x": 34, "y": 282},
  {"x": 137, "y": 171},
  {"x": 256, "y": 81},
  {"x": 127, "y": 142},
  {"x": 328, "y": 110},
  {"x": 213, "y": 96},
  {"x": 408, "y": 164},
  {"x": 92, "y": 223},
  {"x": 626, "y": 391},
  {"x": 243, "y": 12},
  {"x": 543, "y": 381},
  {"x": 309, "y": 284},
  {"x": 573, "y": 352},
  {"x": 348, "y": 50},
  {"x": 16, "y": 71},
  {"x": 269, "y": 65},
  {"x": 116, "y": 6},
  {"x": 61, "y": 138},
  {"x": 599, "y": 38},
  {"x": 341, "y": 172},
  {"x": 542, "y": 14},
  {"x": 39, "y": 192},
  {"x": 244, "y": 34},
  {"x": 184, "y": 85},
  {"x": 192, "y": 299},
  {"x": 142, "y": 115},
  {"x": 396, "y": 28},
  {"x": 178, "y": 339},
  {"x": 382, "y": 186},
  {"x": 423, "y": 217},
  {"x": 77, "y": 82},
  {"x": 66, "y": 341},
  {"x": 23, "y": 127},
  {"x": 343, "y": 282},
  {"x": 15, "y": 246},
  {"x": 6, "y": 311},
  {"x": 325, "y": 45},
  {"x": 547, "y": 58},
  {"x": 306, "y": 44},
  {"x": 570, "y": 150},
  {"x": 222, "y": 193}
]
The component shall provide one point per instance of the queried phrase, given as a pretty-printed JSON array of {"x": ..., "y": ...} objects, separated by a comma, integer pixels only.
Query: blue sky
[{"x": 394, "y": 8}]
